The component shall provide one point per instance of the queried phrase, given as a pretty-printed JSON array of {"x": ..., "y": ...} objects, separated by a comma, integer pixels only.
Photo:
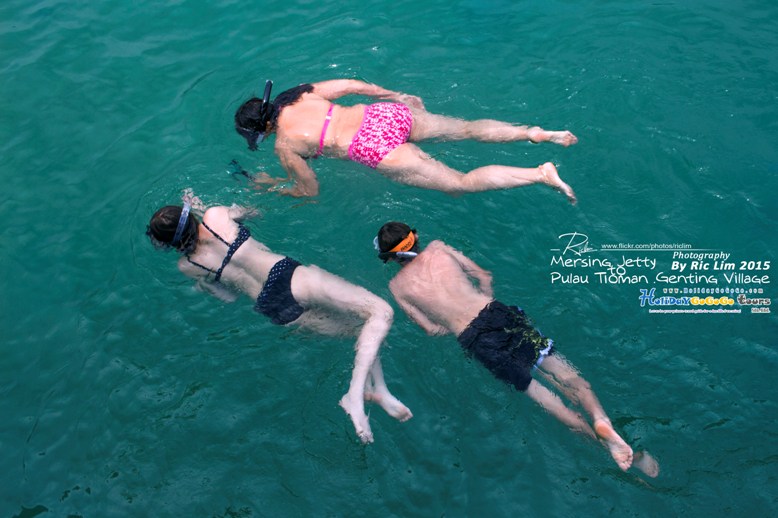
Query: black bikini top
[{"x": 243, "y": 235}]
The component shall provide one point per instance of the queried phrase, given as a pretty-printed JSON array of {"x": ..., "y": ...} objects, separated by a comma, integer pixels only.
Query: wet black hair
[
  {"x": 162, "y": 229},
  {"x": 254, "y": 118},
  {"x": 290, "y": 96},
  {"x": 389, "y": 236}
]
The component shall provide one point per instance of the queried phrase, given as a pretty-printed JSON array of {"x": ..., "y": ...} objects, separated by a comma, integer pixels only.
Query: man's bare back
[{"x": 436, "y": 283}]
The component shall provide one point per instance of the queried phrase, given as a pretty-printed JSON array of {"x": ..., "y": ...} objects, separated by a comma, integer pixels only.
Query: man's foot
[
  {"x": 643, "y": 461},
  {"x": 563, "y": 138},
  {"x": 620, "y": 450},
  {"x": 550, "y": 177},
  {"x": 391, "y": 405},
  {"x": 356, "y": 411}
]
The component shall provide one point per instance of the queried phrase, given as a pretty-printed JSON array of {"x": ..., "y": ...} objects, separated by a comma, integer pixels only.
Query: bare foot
[
  {"x": 643, "y": 461},
  {"x": 550, "y": 177},
  {"x": 390, "y": 404},
  {"x": 563, "y": 138},
  {"x": 620, "y": 450},
  {"x": 356, "y": 411}
]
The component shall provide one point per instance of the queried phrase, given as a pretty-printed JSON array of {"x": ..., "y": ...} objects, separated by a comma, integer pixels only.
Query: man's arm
[
  {"x": 419, "y": 317},
  {"x": 306, "y": 183},
  {"x": 337, "y": 88},
  {"x": 473, "y": 270}
]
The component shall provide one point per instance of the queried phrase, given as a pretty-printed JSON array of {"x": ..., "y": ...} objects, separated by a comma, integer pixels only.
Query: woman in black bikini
[{"x": 220, "y": 254}]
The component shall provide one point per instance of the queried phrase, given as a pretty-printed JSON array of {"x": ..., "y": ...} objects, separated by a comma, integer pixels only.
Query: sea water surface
[{"x": 124, "y": 392}]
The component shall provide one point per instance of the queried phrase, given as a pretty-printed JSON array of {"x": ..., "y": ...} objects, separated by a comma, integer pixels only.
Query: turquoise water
[{"x": 123, "y": 392}]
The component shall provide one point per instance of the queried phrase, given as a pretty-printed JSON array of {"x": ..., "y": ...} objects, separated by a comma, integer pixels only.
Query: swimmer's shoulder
[
  {"x": 219, "y": 220},
  {"x": 215, "y": 215},
  {"x": 438, "y": 246}
]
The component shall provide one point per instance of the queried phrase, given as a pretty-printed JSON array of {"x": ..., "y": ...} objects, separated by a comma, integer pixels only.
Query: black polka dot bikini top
[{"x": 243, "y": 235}]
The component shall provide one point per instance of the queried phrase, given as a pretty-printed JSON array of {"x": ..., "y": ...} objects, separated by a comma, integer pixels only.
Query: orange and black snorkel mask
[{"x": 405, "y": 250}]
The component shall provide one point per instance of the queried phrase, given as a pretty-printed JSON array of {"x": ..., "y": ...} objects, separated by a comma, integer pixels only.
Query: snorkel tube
[{"x": 264, "y": 111}]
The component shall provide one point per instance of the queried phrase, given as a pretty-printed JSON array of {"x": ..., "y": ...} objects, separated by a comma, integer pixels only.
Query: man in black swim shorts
[{"x": 434, "y": 287}]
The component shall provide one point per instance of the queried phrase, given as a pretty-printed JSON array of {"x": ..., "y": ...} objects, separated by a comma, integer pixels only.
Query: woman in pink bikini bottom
[
  {"x": 307, "y": 124},
  {"x": 384, "y": 127}
]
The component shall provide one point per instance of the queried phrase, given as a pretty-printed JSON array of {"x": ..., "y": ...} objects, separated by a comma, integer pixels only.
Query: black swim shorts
[{"x": 502, "y": 338}]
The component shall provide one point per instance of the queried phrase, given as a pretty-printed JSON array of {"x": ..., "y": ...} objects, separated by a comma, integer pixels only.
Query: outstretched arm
[
  {"x": 240, "y": 213},
  {"x": 236, "y": 212},
  {"x": 337, "y": 88},
  {"x": 198, "y": 207}
]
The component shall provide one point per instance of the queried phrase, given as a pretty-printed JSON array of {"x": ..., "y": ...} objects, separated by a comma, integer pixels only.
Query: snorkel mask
[
  {"x": 160, "y": 226},
  {"x": 401, "y": 251},
  {"x": 181, "y": 224},
  {"x": 257, "y": 133}
]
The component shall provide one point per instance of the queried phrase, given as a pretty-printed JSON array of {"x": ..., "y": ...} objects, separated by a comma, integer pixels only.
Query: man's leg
[
  {"x": 645, "y": 463},
  {"x": 554, "y": 406},
  {"x": 429, "y": 125},
  {"x": 410, "y": 165},
  {"x": 558, "y": 371}
]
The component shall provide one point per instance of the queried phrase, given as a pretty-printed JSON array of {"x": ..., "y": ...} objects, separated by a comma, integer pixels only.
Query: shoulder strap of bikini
[
  {"x": 199, "y": 265},
  {"x": 215, "y": 234}
]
